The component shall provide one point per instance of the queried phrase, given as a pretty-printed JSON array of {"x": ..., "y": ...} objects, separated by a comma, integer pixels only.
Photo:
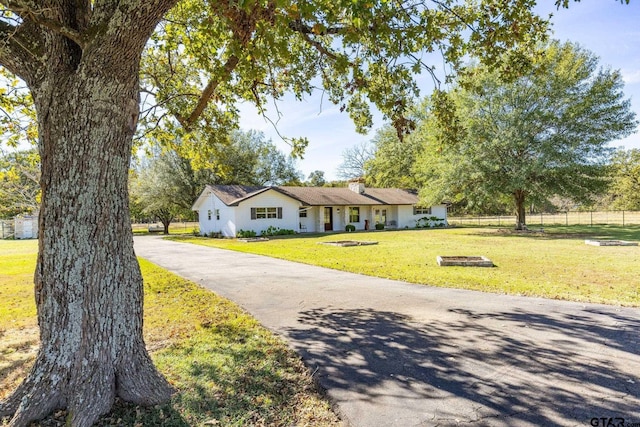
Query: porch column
[{"x": 320, "y": 224}]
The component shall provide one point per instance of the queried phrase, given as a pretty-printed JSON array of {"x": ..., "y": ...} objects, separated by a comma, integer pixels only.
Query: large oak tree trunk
[{"x": 88, "y": 285}]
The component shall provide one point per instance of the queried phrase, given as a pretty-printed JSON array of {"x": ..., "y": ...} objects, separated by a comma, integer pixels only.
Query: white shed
[{"x": 25, "y": 227}]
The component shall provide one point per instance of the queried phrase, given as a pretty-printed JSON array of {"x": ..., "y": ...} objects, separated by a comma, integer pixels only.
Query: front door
[
  {"x": 328, "y": 219},
  {"x": 380, "y": 216}
]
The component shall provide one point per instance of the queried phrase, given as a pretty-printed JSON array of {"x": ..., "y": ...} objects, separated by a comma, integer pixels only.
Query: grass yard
[
  {"x": 554, "y": 264},
  {"x": 228, "y": 369}
]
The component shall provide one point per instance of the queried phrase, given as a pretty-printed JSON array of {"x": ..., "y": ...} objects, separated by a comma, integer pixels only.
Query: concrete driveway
[{"x": 396, "y": 354}]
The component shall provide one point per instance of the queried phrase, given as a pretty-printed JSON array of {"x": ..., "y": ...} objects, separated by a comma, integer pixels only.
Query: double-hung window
[
  {"x": 419, "y": 210},
  {"x": 354, "y": 214},
  {"x": 266, "y": 213}
]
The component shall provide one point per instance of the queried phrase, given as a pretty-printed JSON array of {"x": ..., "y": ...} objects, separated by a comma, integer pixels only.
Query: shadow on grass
[
  {"x": 228, "y": 374},
  {"x": 235, "y": 376},
  {"x": 127, "y": 414},
  {"x": 484, "y": 360}
]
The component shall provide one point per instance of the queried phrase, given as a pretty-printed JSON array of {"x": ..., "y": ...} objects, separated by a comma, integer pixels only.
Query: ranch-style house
[{"x": 225, "y": 209}]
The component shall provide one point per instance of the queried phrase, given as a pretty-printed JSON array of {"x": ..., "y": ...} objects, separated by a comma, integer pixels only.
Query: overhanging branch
[
  {"x": 208, "y": 92},
  {"x": 21, "y": 49},
  {"x": 37, "y": 16}
]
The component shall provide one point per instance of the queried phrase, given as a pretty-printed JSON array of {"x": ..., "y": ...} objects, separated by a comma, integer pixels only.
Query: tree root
[
  {"x": 87, "y": 392},
  {"x": 140, "y": 382},
  {"x": 34, "y": 399}
]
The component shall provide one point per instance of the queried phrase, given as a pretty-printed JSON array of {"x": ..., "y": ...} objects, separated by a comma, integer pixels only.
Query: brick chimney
[{"x": 356, "y": 187}]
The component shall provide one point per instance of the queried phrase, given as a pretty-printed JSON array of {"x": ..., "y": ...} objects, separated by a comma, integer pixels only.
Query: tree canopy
[
  {"x": 625, "y": 186},
  {"x": 316, "y": 179},
  {"x": 359, "y": 53},
  {"x": 165, "y": 185},
  {"x": 250, "y": 159},
  {"x": 393, "y": 160},
  {"x": 541, "y": 135}
]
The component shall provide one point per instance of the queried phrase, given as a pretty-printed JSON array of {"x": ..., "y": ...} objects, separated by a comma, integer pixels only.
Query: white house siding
[
  {"x": 406, "y": 218},
  {"x": 440, "y": 211},
  {"x": 309, "y": 223},
  {"x": 269, "y": 199},
  {"x": 340, "y": 219},
  {"x": 224, "y": 225}
]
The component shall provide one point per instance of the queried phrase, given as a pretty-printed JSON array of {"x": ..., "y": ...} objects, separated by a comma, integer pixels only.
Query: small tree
[{"x": 164, "y": 189}]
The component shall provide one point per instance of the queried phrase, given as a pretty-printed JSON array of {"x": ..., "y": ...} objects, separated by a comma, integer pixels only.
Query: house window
[
  {"x": 303, "y": 212},
  {"x": 418, "y": 210},
  {"x": 209, "y": 214},
  {"x": 218, "y": 214},
  {"x": 354, "y": 214},
  {"x": 266, "y": 213}
]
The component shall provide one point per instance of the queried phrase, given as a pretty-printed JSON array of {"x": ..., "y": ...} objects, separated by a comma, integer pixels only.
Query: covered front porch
[{"x": 318, "y": 219}]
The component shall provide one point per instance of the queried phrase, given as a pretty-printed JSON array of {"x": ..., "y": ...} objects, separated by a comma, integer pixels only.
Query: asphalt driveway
[{"x": 396, "y": 354}]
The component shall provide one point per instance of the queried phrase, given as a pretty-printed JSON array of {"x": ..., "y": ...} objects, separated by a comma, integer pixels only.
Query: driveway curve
[{"x": 390, "y": 353}]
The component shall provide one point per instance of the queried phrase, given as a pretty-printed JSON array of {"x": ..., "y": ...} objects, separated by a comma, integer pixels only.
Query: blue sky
[{"x": 609, "y": 29}]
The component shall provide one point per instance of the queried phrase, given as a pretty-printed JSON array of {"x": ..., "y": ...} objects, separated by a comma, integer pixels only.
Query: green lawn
[
  {"x": 228, "y": 369},
  {"x": 554, "y": 264}
]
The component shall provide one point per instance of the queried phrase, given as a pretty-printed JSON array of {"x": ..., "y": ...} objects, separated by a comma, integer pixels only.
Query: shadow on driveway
[{"x": 496, "y": 376}]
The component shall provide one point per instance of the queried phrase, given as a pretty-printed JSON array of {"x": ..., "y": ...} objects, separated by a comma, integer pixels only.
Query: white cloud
[{"x": 631, "y": 76}]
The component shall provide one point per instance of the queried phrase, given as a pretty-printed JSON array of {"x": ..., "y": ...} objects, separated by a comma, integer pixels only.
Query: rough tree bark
[
  {"x": 519, "y": 198},
  {"x": 88, "y": 285}
]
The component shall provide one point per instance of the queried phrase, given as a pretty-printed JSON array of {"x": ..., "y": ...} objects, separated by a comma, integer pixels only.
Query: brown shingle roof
[
  {"x": 318, "y": 196},
  {"x": 231, "y": 195},
  {"x": 393, "y": 196}
]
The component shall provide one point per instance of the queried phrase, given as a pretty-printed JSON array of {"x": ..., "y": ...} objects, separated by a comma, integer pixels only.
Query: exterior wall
[
  {"x": 365, "y": 216},
  {"x": 440, "y": 211},
  {"x": 406, "y": 218},
  {"x": 269, "y": 199},
  {"x": 226, "y": 223},
  {"x": 341, "y": 218},
  {"x": 310, "y": 223}
]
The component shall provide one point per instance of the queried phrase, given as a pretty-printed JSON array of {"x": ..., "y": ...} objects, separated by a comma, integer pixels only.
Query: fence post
[
  {"x": 591, "y": 219},
  {"x": 623, "y": 218},
  {"x": 566, "y": 218},
  {"x": 541, "y": 221}
]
